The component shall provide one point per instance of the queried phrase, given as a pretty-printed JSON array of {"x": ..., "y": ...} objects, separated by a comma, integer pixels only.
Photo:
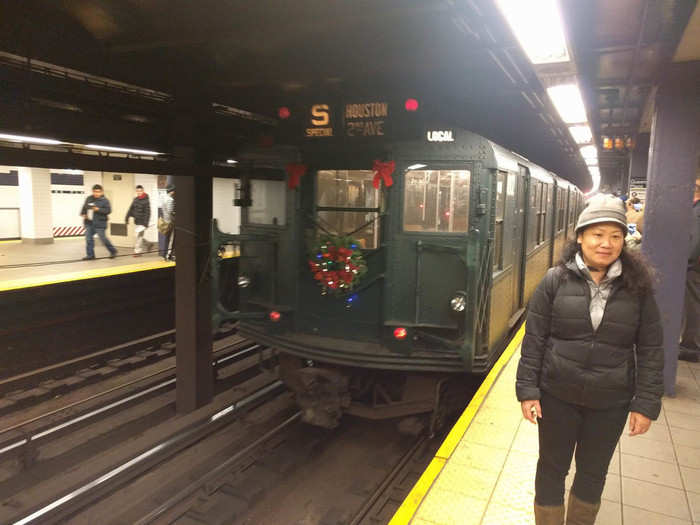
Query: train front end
[{"x": 367, "y": 269}]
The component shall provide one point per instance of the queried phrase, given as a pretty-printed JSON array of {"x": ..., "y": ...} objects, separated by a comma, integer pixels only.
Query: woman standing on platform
[{"x": 592, "y": 354}]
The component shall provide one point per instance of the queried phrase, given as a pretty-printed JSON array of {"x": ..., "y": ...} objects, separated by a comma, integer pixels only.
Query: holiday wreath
[{"x": 337, "y": 264}]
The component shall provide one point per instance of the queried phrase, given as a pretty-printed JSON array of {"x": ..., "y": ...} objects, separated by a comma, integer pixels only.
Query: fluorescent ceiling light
[
  {"x": 567, "y": 99},
  {"x": 416, "y": 166},
  {"x": 70, "y": 172},
  {"x": 231, "y": 161},
  {"x": 595, "y": 175},
  {"x": 29, "y": 140},
  {"x": 538, "y": 27},
  {"x": 122, "y": 150},
  {"x": 582, "y": 134},
  {"x": 591, "y": 162},
  {"x": 589, "y": 152}
]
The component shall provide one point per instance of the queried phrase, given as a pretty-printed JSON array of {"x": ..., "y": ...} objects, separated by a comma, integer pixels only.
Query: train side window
[
  {"x": 533, "y": 215},
  {"x": 548, "y": 208},
  {"x": 561, "y": 209},
  {"x": 542, "y": 213},
  {"x": 269, "y": 202},
  {"x": 436, "y": 201},
  {"x": 500, "y": 216},
  {"x": 348, "y": 204}
]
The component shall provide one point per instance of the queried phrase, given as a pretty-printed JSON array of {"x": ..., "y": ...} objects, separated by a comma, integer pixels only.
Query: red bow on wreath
[
  {"x": 295, "y": 172},
  {"x": 383, "y": 171}
]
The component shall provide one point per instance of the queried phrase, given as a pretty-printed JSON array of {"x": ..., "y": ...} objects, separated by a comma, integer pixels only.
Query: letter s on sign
[{"x": 320, "y": 115}]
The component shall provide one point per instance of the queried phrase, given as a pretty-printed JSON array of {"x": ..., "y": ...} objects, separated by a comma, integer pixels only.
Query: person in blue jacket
[{"x": 95, "y": 211}]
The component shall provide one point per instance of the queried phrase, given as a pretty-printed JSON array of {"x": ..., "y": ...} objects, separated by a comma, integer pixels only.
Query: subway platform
[
  {"x": 484, "y": 472},
  {"x": 25, "y": 265}
]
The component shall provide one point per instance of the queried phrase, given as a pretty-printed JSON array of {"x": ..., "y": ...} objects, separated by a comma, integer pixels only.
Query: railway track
[
  {"x": 55, "y": 442},
  {"x": 30, "y": 388}
]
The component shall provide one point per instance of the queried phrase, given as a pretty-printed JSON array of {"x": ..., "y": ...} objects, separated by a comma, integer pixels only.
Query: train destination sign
[
  {"x": 367, "y": 119},
  {"x": 320, "y": 122},
  {"x": 442, "y": 135}
]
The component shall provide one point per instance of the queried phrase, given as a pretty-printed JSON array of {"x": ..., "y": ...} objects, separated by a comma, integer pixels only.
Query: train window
[
  {"x": 268, "y": 202},
  {"x": 500, "y": 216},
  {"x": 542, "y": 213},
  {"x": 437, "y": 201},
  {"x": 348, "y": 204},
  {"x": 561, "y": 209},
  {"x": 533, "y": 215}
]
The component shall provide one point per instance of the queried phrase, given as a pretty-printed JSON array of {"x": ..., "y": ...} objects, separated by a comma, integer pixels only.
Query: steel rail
[
  {"x": 78, "y": 498},
  {"x": 89, "y": 415}
]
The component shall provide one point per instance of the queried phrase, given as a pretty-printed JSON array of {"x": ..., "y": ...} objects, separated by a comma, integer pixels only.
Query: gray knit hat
[{"x": 602, "y": 208}]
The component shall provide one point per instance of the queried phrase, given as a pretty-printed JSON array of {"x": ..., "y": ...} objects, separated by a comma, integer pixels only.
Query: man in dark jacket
[
  {"x": 140, "y": 210},
  {"x": 690, "y": 338},
  {"x": 94, "y": 212}
]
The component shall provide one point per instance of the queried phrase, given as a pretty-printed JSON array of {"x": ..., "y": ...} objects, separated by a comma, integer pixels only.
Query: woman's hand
[
  {"x": 639, "y": 423},
  {"x": 531, "y": 409}
]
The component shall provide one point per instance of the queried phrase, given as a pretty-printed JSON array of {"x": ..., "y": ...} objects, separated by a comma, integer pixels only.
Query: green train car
[{"x": 439, "y": 266}]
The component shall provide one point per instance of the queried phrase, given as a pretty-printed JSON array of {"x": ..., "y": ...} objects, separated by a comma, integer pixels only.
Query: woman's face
[{"x": 601, "y": 244}]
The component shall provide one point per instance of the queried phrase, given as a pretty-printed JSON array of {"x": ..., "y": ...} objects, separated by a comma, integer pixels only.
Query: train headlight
[
  {"x": 244, "y": 281},
  {"x": 458, "y": 303}
]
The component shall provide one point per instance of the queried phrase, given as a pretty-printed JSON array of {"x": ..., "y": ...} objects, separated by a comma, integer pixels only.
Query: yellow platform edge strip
[
  {"x": 31, "y": 282},
  {"x": 410, "y": 505}
]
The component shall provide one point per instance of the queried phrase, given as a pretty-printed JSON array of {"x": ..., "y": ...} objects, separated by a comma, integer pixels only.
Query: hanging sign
[
  {"x": 442, "y": 135},
  {"x": 367, "y": 119},
  {"x": 319, "y": 123}
]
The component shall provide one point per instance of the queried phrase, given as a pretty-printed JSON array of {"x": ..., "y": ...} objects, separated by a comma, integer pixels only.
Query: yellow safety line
[
  {"x": 30, "y": 282},
  {"x": 410, "y": 505},
  {"x": 11, "y": 241}
]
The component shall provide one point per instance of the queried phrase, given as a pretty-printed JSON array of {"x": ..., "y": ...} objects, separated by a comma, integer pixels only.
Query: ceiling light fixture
[
  {"x": 582, "y": 134},
  {"x": 589, "y": 152},
  {"x": 231, "y": 161},
  {"x": 568, "y": 103},
  {"x": 538, "y": 27},
  {"x": 416, "y": 166},
  {"x": 122, "y": 150},
  {"x": 29, "y": 140}
]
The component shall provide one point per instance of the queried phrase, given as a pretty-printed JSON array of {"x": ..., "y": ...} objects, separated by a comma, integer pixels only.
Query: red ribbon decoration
[
  {"x": 382, "y": 172},
  {"x": 295, "y": 172}
]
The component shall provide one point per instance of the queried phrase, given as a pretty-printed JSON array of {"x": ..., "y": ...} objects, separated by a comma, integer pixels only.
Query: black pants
[{"x": 593, "y": 433}]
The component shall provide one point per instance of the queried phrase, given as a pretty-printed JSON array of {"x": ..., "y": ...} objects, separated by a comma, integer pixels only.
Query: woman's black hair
[{"x": 638, "y": 274}]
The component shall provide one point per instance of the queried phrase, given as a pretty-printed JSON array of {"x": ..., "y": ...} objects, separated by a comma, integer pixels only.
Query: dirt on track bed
[{"x": 328, "y": 482}]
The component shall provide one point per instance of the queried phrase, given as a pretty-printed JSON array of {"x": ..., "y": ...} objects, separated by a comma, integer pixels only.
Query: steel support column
[
  {"x": 193, "y": 292},
  {"x": 675, "y": 136}
]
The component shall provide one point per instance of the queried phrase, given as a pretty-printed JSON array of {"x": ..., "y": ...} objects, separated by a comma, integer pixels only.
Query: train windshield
[
  {"x": 348, "y": 204},
  {"x": 268, "y": 204},
  {"x": 437, "y": 201}
]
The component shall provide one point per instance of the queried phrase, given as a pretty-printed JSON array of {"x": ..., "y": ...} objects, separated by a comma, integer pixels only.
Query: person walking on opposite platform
[
  {"x": 166, "y": 224},
  {"x": 95, "y": 211},
  {"x": 592, "y": 354},
  {"x": 140, "y": 210},
  {"x": 690, "y": 338}
]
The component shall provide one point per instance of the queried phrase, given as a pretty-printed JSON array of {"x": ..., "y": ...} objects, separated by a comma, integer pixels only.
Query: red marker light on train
[
  {"x": 284, "y": 112},
  {"x": 411, "y": 104},
  {"x": 275, "y": 316},
  {"x": 400, "y": 333}
]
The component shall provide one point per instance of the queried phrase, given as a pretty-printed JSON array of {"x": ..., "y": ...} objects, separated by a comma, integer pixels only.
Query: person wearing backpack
[
  {"x": 592, "y": 355},
  {"x": 140, "y": 210},
  {"x": 166, "y": 224}
]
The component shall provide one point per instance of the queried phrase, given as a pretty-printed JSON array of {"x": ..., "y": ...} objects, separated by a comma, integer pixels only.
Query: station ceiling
[{"x": 457, "y": 56}]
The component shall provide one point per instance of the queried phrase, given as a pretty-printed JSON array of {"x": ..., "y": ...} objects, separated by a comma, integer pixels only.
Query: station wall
[{"x": 68, "y": 195}]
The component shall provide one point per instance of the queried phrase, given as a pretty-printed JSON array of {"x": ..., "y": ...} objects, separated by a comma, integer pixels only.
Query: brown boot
[
  {"x": 549, "y": 514},
  {"x": 581, "y": 512}
]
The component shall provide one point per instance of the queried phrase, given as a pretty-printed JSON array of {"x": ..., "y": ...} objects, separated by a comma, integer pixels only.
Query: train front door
[{"x": 519, "y": 217}]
